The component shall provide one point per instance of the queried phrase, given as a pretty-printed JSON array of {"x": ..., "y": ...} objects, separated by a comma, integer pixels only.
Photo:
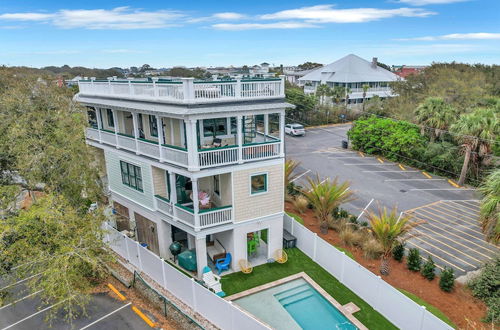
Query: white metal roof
[{"x": 350, "y": 69}]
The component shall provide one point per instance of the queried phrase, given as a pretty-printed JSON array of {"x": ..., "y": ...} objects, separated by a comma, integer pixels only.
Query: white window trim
[{"x": 250, "y": 184}]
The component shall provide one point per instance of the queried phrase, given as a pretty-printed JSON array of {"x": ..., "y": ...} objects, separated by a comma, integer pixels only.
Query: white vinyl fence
[
  {"x": 218, "y": 311},
  {"x": 387, "y": 300}
]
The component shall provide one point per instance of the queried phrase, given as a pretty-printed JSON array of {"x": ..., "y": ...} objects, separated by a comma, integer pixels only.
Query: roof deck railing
[{"x": 186, "y": 90}]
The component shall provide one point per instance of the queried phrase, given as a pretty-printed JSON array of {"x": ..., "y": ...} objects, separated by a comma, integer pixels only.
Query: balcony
[{"x": 187, "y": 90}]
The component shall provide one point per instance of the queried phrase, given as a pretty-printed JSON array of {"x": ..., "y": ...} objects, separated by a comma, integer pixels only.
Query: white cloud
[
  {"x": 328, "y": 14},
  {"x": 118, "y": 18},
  {"x": 428, "y": 2},
  {"x": 458, "y": 36},
  {"x": 262, "y": 26},
  {"x": 229, "y": 16}
]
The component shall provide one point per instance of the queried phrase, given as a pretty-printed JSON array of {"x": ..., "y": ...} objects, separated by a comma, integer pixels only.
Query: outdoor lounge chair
[
  {"x": 212, "y": 281},
  {"x": 280, "y": 256},
  {"x": 246, "y": 266},
  {"x": 223, "y": 264}
]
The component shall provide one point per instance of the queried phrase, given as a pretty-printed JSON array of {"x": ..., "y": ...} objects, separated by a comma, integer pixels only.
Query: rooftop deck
[{"x": 186, "y": 90}]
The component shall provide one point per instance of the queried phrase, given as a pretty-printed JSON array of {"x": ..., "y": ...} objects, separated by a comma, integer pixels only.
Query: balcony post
[
  {"x": 136, "y": 130},
  {"x": 282, "y": 85},
  {"x": 110, "y": 86},
  {"x": 188, "y": 89},
  {"x": 155, "y": 88},
  {"x": 159, "y": 125},
  {"x": 130, "y": 86},
  {"x": 237, "y": 91},
  {"x": 239, "y": 134},
  {"x": 99, "y": 122},
  {"x": 282, "y": 134},
  {"x": 115, "y": 124},
  {"x": 196, "y": 204},
  {"x": 173, "y": 192},
  {"x": 266, "y": 126},
  {"x": 192, "y": 144}
]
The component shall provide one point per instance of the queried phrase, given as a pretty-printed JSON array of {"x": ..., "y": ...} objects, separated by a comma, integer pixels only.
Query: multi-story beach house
[{"x": 196, "y": 162}]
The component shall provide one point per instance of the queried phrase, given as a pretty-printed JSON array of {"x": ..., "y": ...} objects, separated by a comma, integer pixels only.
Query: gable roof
[{"x": 350, "y": 68}]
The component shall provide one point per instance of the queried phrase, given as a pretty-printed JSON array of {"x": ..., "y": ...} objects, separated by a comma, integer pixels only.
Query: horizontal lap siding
[{"x": 144, "y": 198}]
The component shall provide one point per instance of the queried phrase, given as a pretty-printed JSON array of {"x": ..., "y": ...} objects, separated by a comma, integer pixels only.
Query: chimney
[{"x": 374, "y": 62}]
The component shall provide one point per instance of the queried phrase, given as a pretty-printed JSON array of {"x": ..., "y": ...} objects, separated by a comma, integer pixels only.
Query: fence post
[
  {"x": 379, "y": 291},
  {"x": 233, "y": 310},
  {"x": 193, "y": 292},
  {"x": 163, "y": 262},
  {"x": 424, "y": 309},
  {"x": 292, "y": 221},
  {"x": 139, "y": 255},
  {"x": 315, "y": 246},
  {"x": 126, "y": 247},
  {"x": 342, "y": 268}
]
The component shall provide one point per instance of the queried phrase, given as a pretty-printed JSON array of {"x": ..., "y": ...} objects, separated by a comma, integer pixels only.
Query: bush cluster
[
  {"x": 486, "y": 286},
  {"x": 413, "y": 261},
  {"x": 399, "y": 252},
  {"x": 447, "y": 279}
]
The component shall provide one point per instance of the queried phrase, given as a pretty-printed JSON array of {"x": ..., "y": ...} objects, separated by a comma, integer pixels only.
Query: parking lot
[
  {"x": 26, "y": 311},
  {"x": 450, "y": 234}
]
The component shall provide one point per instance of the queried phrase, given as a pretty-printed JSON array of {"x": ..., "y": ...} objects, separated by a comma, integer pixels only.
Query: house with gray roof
[{"x": 352, "y": 72}]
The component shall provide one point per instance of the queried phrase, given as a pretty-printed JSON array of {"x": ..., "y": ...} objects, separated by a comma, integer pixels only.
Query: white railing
[
  {"x": 185, "y": 216},
  {"x": 260, "y": 151},
  {"x": 372, "y": 89},
  {"x": 218, "y": 311},
  {"x": 215, "y": 217},
  {"x": 92, "y": 134},
  {"x": 174, "y": 155},
  {"x": 187, "y": 90},
  {"x": 164, "y": 205},
  {"x": 109, "y": 138},
  {"x": 218, "y": 156},
  {"x": 384, "y": 298},
  {"x": 126, "y": 142},
  {"x": 149, "y": 149}
]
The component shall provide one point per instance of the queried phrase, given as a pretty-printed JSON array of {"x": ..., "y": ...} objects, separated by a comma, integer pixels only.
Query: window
[
  {"x": 234, "y": 125},
  {"x": 258, "y": 183},
  {"x": 111, "y": 121},
  {"x": 92, "y": 117},
  {"x": 131, "y": 175},
  {"x": 217, "y": 185},
  {"x": 214, "y": 127},
  {"x": 153, "y": 126}
]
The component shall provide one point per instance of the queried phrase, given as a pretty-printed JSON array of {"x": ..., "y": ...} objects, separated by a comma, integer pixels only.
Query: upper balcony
[{"x": 186, "y": 90}]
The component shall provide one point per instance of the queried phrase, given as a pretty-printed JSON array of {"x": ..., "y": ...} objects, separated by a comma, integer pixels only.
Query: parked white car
[{"x": 295, "y": 130}]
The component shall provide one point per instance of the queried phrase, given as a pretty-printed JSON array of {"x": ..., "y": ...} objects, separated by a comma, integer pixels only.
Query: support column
[
  {"x": 135, "y": 121},
  {"x": 266, "y": 126},
  {"x": 192, "y": 145},
  {"x": 99, "y": 122},
  {"x": 191, "y": 240},
  {"x": 173, "y": 193},
  {"x": 239, "y": 135},
  {"x": 282, "y": 134},
  {"x": 116, "y": 128},
  {"x": 164, "y": 239},
  {"x": 159, "y": 126},
  {"x": 196, "y": 204},
  {"x": 201, "y": 254}
]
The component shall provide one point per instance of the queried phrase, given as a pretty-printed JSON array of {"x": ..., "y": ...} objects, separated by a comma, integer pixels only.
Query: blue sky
[{"x": 209, "y": 33}]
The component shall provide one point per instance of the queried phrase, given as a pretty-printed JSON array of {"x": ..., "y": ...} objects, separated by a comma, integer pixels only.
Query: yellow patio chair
[
  {"x": 280, "y": 256},
  {"x": 246, "y": 266}
]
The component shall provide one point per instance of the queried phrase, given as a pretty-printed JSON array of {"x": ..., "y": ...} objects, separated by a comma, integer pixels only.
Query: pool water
[{"x": 294, "y": 305}]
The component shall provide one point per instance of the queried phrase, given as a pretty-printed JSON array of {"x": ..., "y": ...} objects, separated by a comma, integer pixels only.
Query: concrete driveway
[
  {"x": 26, "y": 312},
  {"x": 446, "y": 234}
]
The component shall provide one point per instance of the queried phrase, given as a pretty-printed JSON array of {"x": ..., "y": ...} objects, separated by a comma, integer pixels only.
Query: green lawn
[
  {"x": 430, "y": 308},
  {"x": 299, "y": 262}
]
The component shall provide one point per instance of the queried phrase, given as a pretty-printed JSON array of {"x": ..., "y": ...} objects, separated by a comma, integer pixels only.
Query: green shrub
[
  {"x": 447, "y": 280},
  {"x": 486, "y": 286},
  {"x": 429, "y": 269},
  {"x": 413, "y": 260},
  {"x": 399, "y": 252}
]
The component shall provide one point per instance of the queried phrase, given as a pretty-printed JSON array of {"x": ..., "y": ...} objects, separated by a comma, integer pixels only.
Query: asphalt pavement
[{"x": 450, "y": 231}]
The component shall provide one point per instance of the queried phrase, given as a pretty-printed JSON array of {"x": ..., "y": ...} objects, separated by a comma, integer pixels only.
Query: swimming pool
[{"x": 295, "y": 304}]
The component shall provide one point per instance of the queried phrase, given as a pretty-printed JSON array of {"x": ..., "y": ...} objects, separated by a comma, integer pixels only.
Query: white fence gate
[
  {"x": 388, "y": 301},
  {"x": 215, "y": 309}
]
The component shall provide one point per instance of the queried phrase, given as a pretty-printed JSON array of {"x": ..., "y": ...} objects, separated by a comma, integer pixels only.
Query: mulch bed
[{"x": 460, "y": 306}]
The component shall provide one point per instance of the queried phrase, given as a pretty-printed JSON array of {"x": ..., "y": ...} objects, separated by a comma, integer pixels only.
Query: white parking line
[
  {"x": 402, "y": 172},
  {"x": 105, "y": 316},
  {"x": 28, "y": 317},
  {"x": 18, "y": 300},
  {"x": 301, "y": 175},
  {"x": 415, "y": 179},
  {"x": 20, "y": 281},
  {"x": 452, "y": 189},
  {"x": 366, "y": 164}
]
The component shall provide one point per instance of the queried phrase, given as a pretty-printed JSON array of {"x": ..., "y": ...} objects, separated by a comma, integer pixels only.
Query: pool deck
[{"x": 348, "y": 309}]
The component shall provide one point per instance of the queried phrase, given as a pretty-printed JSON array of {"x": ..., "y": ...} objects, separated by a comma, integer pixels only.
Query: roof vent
[{"x": 374, "y": 62}]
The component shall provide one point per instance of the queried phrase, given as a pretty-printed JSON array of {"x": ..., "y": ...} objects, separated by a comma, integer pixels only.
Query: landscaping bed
[{"x": 459, "y": 306}]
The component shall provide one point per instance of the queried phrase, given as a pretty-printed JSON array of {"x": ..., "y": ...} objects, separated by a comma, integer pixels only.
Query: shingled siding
[
  {"x": 144, "y": 198},
  {"x": 247, "y": 206}
]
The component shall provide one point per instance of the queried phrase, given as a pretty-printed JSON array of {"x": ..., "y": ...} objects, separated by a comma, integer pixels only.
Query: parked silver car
[{"x": 295, "y": 130}]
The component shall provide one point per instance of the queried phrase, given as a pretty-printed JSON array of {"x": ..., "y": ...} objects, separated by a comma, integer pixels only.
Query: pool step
[
  {"x": 291, "y": 291},
  {"x": 294, "y": 295}
]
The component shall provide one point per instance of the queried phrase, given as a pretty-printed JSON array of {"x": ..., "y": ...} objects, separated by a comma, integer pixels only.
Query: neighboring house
[
  {"x": 260, "y": 71},
  {"x": 405, "y": 70},
  {"x": 198, "y": 162},
  {"x": 293, "y": 74},
  {"x": 352, "y": 72}
]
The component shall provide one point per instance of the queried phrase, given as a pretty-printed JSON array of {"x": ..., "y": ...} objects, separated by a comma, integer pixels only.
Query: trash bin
[{"x": 345, "y": 144}]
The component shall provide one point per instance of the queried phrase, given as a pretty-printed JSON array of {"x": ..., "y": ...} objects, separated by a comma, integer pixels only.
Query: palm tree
[
  {"x": 389, "y": 229},
  {"x": 290, "y": 166},
  {"x": 490, "y": 206},
  {"x": 325, "y": 196},
  {"x": 365, "y": 87},
  {"x": 476, "y": 131},
  {"x": 436, "y": 113},
  {"x": 322, "y": 91}
]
